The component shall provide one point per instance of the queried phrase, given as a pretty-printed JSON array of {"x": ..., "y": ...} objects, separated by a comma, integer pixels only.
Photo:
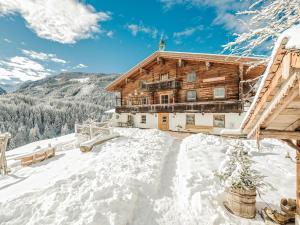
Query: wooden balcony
[
  {"x": 196, "y": 107},
  {"x": 161, "y": 85}
]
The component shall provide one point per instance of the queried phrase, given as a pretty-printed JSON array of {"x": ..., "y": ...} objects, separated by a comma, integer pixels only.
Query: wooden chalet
[
  {"x": 275, "y": 112},
  {"x": 186, "y": 91}
]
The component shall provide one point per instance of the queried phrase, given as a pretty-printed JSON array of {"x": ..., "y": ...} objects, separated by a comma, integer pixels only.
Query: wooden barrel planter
[{"x": 241, "y": 202}]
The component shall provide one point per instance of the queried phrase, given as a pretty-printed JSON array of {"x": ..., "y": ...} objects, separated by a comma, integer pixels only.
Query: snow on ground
[
  {"x": 199, "y": 193},
  {"x": 144, "y": 177}
]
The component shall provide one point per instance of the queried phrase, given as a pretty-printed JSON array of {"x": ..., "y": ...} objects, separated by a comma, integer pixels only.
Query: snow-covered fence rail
[{"x": 91, "y": 130}]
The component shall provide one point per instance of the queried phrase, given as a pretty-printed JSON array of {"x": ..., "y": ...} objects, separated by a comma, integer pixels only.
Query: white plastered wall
[{"x": 177, "y": 121}]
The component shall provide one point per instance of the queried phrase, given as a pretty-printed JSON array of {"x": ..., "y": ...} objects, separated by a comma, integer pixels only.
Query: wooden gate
[{"x": 163, "y": 121}]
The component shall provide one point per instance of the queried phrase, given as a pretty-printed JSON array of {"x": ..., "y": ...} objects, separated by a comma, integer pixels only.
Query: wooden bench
[
  {"x": 36, "y": 157},
  {"x": 199, "y": 129}
]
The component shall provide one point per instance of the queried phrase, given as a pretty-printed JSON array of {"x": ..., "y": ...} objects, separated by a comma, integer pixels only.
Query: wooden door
[{"x": 163, "y": 121}]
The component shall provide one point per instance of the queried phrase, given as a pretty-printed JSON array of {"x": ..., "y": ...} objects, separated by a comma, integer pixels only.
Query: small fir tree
[{"x": 236, "y": 170}]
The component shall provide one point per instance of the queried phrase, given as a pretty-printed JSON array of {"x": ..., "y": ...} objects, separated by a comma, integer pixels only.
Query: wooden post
[
  {"x": 3, "y": 144},
  {"x": 298, "y": 184},
  {"x": 241, "y": 78}
]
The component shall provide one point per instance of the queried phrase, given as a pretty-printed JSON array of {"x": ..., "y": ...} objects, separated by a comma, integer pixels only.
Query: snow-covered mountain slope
[
  {"x": 144, "y": 177},
  {"x": 49, "y": 106},
  {"x": 2, "y": 91}
]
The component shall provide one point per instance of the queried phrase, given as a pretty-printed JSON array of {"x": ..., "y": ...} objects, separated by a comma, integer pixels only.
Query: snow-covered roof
[{"x": 289, "y": 40}]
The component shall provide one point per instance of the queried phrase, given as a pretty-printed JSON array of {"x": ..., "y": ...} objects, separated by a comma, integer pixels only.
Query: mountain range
[{"x": 50, "y": 107}]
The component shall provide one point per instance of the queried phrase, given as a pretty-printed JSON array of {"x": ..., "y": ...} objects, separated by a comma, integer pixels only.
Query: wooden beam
[
  {"x": 142, "y": 70},
  {"x": 286, "y": 66},
  {"x": 207, "y": 65},
  {"x": 294, "y": 135},
  {"x": 180, "y": 63},
  {"x": 280, "y": 107}
]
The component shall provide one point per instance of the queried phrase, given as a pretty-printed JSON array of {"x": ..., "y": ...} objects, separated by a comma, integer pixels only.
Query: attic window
[{"x": 164, "y": 76}]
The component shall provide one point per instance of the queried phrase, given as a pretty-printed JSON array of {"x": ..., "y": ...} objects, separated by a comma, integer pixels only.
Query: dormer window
[
  {"x": 164, "y": 76},
  {"x": 191, "y": 77}
]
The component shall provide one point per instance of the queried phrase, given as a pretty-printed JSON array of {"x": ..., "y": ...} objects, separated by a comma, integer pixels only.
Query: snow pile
[
  {"x": 199, "y": 192},
  {"x": 101, "y": 187},
  {"x": 144, "y": 177}
]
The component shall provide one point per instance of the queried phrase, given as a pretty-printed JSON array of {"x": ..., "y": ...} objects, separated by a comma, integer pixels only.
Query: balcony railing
[
  {"x": 161, "y": 85},
  {"x": 200, "y": 107}
]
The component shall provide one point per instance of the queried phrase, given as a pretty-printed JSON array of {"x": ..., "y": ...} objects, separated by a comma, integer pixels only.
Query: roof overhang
[
  {"x": 212, "y": 58},
  {"x": 275, "y": 111}
]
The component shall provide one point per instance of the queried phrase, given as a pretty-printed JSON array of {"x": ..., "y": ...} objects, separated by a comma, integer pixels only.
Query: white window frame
[
  {"x": 161, "y": 102},
  {"x": 191, "y": 77},
  {"x": 164, "y": 76},
  {"x": 191, "y": 99},
  {"x": 216, "y": 96},
  {"x": 142, "y": 101}
]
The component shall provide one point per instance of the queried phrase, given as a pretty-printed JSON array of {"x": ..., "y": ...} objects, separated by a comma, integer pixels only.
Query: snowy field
[{"x": 145, "y": 177}]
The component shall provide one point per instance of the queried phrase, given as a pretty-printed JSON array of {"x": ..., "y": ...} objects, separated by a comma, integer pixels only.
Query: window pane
[
  {"x": 164, "y": 99},
  {"x": 191, "y": 95},
  {"x": 164, "y": 76},
  {"x": 219, "y": 121},
  {"x": 191, "y": 77},
  {"x": 190, "y": 119},
  {"x": 143, "y": 119},
  {"x": 219, "y": 92}
]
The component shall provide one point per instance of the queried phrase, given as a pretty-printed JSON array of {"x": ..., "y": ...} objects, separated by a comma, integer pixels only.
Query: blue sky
[{"x": 107, "y": 36}]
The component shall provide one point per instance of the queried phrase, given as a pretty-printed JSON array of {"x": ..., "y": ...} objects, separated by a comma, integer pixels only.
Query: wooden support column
[
  {"x": 241, "y": 78},
  {"x": 298, "y": 185}
]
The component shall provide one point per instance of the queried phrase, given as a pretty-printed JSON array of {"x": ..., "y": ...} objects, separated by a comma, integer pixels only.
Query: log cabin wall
[{"x": 208, "y": 76}]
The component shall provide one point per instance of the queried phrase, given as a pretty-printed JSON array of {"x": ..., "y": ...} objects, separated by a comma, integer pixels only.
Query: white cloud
[
  {"x": 80, "y": 66},
  {"x": 18, "y": 69},
  {"x": 43, "y": 56},
  {"x": 187, "y": 32},
  {"x": 135, "y": 29},
  {"x": 110, "y": 34},
  {"x": 225, "y": 10},
  {"x": 178, "y": 36},
  {"x": 7, "y": 40},
  {"x": 64, "y": 21}
]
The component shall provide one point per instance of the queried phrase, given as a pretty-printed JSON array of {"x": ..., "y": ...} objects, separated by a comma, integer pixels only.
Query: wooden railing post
[{"x": 298, "y": 185}]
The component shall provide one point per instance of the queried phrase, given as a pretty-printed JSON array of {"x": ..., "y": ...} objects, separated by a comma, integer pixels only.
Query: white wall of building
[{"x": 177, "y": 121}]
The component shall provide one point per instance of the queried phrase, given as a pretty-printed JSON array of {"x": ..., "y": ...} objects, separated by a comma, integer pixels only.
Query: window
[
  {"x": 144, "y": 101},
  {"x": 191, "y": 96},
  {"x": 190, "y": 119},
  {"x": 117, "y": 117},
  {"x": 143, "y": 119},
  {"x": 164, "y": 76},
  {"x": 191, "y": 77},
  {"x": 219, "y": 92},
  {"x": 164, "y": 119},
  {"x": 164, "y": 99},
  {"x": 219, "y": 121}
]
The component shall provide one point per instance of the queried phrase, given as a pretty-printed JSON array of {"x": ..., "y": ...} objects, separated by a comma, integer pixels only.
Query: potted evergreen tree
[{"x": 240, "y": 181}]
